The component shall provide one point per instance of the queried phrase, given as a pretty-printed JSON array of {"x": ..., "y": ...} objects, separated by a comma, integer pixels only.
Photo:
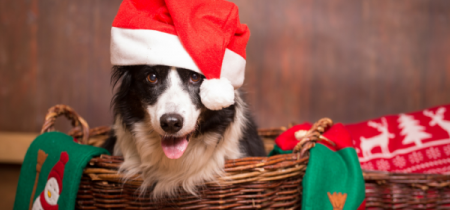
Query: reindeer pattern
[
  {"x": 438, "y": 119},
  {"x": 381, "y": 140},
  {"x": 416, "y": 142}
]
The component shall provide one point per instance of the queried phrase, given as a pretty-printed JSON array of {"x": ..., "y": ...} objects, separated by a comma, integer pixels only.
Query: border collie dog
[{"x": 167, "y": 136}]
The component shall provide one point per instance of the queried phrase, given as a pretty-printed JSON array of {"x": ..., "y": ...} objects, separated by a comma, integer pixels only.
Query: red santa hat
[{"x": 204, "y": 36}]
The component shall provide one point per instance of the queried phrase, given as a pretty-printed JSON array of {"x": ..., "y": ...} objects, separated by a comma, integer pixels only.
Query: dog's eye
[
  {"x": 152, "y": 78},
  {"x": 195, "y": 78}
]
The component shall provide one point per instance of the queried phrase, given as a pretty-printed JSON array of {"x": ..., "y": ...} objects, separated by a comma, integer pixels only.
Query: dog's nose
[{"x": 171, "y": 123}]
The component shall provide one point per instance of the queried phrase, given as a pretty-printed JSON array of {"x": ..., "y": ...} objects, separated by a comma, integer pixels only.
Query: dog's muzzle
[{"x": 173, "y": 146}]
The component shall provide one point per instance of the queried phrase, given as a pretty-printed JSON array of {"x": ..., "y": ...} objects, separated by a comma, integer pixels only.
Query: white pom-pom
[{"x": 217, "y": 94}]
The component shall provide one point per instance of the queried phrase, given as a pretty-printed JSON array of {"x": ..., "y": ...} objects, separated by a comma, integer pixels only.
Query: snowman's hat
[{"x": 57, "y": 171}]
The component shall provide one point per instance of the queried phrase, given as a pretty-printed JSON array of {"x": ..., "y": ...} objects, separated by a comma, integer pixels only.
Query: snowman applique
[{"x": 48, "y": 199}]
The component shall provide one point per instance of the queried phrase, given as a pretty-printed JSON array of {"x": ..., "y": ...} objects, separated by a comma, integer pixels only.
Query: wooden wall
[{"x": 349, "y": 60}]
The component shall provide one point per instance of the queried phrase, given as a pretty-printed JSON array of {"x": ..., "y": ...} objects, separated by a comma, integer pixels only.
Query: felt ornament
[{"x": 204, "y": 36}]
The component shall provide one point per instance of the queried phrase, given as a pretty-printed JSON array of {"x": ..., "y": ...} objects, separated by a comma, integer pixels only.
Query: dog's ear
[
  {"x": 117, "y": 72},
  {"x": 120, "y": 73}
]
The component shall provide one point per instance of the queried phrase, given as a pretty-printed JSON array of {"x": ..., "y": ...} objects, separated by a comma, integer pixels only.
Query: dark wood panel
[
  {"x": 9, "y": 177},
  {"x": 54, "y": 52},
  {"x": 348, "y": 60},
  {"x": 345, "y": 59}
]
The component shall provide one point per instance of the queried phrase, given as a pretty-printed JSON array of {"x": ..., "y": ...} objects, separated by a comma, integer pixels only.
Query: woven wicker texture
[
  {"x": 406, "y": 191},
  {"x": 248, "y": 183}
]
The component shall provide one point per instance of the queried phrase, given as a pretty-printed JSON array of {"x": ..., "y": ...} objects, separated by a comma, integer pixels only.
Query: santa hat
[{"x": 204, "y": 36}]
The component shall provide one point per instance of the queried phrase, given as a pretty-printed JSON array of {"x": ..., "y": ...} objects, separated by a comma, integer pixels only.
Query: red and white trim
[{"x": 151, "y": 47}]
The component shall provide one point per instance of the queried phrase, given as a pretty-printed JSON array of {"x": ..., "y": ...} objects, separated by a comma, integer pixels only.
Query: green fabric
[
  {"x": 53, "y": 143},
  {"x": 330, "y": 171},
  {"x": 277, "y": 151}
]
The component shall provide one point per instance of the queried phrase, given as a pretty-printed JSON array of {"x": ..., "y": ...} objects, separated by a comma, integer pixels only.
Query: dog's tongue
[{"x": 174, "y": 147}]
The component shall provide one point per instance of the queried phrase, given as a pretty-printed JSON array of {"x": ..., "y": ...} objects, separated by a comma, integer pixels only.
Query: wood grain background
[{"x": 350, "y": 60}]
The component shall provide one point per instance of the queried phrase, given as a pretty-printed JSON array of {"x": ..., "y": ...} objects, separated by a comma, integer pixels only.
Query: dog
[{"x": 167, "y": 136}]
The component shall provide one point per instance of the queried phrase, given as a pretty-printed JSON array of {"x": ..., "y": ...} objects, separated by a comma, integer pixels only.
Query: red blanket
[{"x": 413, "y": 142}]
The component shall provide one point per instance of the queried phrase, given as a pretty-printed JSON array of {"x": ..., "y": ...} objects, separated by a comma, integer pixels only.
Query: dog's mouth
[{"x": 173, "y": 146}]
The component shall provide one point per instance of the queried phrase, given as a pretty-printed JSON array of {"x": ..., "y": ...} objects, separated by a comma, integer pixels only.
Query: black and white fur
[{"x": 215, "y": 136}]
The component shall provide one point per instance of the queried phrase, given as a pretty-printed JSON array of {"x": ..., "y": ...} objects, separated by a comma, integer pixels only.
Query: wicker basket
[
  {"x": 248, "y": 183},
  {"x": 406, "y": 191}
]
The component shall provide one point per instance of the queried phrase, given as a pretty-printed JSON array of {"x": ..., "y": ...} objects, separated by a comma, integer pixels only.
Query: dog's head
[{"x": 167, "y": 98}]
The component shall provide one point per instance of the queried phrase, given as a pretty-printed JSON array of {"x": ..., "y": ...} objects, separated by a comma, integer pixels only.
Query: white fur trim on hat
[
  {"x": 151, "y": 47},
  {"x": 217, "y": 94}
]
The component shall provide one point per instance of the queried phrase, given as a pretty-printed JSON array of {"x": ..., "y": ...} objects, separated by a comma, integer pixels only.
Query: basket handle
[
  {"x": 67, "y": 111},
  {"x": 312, "y": 136}
]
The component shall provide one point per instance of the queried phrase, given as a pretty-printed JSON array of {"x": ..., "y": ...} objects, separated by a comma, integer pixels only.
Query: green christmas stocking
[{"x": 51, "y": 172}]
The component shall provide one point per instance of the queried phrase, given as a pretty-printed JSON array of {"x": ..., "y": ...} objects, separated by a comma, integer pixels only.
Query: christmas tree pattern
[{"x": 412, "y": 130}]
